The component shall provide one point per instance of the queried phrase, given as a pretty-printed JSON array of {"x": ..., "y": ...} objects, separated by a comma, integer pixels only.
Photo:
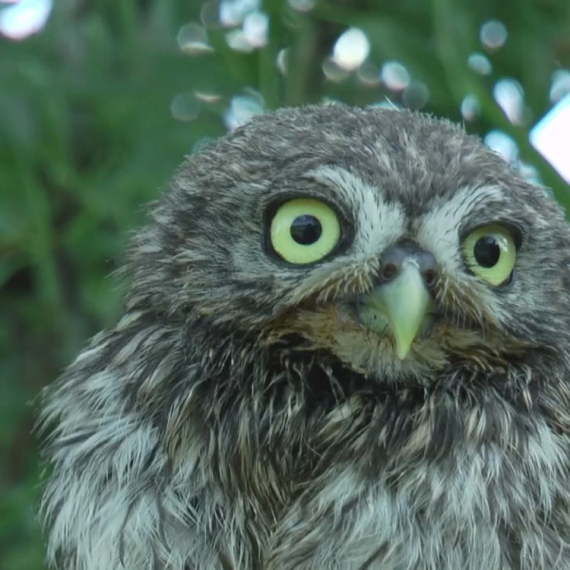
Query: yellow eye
[
  {"x": 304, "y": 230},
  {"x": 491, "y": 253}
]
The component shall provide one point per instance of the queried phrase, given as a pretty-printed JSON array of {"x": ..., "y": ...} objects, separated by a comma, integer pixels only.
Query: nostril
[
  {"x": 389, "y": 271},
  {"x": 429, "y": 277}
]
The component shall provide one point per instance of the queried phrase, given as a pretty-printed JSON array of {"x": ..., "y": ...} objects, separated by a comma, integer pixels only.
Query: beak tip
[
  {"x": 403, "y": 304},
  {"x": 402, "y": 352}
]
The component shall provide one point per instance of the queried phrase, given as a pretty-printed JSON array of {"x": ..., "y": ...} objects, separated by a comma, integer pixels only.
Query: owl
[{"x": 345, "y": 346}]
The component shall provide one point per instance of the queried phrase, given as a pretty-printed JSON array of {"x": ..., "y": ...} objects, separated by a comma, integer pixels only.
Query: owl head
[{"x": 389, "y": 241}]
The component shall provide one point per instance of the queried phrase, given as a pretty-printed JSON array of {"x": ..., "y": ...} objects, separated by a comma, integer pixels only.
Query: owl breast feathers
[{"x": 344, "y": 346}]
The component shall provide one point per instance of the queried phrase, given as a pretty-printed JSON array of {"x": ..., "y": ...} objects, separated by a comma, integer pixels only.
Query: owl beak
[{"x": 402, "y": 305}]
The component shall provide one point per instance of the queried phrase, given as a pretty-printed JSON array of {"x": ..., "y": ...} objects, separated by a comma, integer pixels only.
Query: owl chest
[
  {"x": 429, "y": 517},
  {"x": 425, "y": 520}
]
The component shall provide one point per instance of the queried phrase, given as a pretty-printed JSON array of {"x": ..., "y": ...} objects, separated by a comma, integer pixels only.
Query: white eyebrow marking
[
  {"x": 378, "y": 223},
  {"x": 437, "y": 231}
]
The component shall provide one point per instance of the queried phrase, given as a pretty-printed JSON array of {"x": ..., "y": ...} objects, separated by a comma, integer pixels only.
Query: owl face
[{"x": 391, "y": 241}]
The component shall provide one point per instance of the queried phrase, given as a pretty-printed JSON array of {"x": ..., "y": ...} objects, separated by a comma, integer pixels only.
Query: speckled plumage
[{"x": 238, "y": 417}]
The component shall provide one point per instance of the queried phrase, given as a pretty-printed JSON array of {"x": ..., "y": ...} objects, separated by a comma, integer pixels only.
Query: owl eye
[
  {"x": 304, "y": 230},
  {"x": 490, "y": 252}
]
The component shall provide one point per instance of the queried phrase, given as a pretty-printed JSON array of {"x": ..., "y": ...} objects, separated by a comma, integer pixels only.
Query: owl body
[{"x": 261, "y": 404}]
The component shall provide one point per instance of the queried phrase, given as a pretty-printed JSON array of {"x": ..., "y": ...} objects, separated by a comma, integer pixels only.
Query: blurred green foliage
[{"x": 89, "y": 134}]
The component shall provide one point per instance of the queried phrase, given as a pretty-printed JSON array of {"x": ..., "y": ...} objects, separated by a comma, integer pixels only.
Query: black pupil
[
  {"x": 487, "y": 251},
  {"x": 306, "y": 229}
]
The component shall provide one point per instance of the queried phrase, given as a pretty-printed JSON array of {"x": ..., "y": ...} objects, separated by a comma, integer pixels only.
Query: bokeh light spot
[
  {"x": 233, "y": 12},
  {"x": 210, "y": 14},
  {"x": 302, "y": 5},
  {"x": 208, "y": 97},
  {"x": 193, "y": 39},
  {"x": 509, "y": 95},
  {"x": 237, "y": 41},
  {"x": 368, "y": 74},
  {"x": 351, "y": 49},
  {"x": 185, "y": 107},
  {"x": 256, "y": 29},
  {"x": 479, "y": 63},
  {"x": 470, "y": 107},
  {"x": 415, "y": 95},
  {"x": 529, "y": 172},
  {"x": 252, "y": 35},
  {"x": 282, "y": 61},
  {"x": 24, "y": 18},
  {"x": 333, "y": 72},
  {"x": 551, "y": 137},
  {"x": 395, "y": 76},
  {"x": 503, "y": 144},
  {"x": 242, "y": 108},
  {"x": 493, "y": 34},
  {"x": 560, "y": 85}
]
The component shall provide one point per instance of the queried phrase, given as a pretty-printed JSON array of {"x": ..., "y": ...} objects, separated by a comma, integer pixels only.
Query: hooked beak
[{"x": 402, "y": 305}]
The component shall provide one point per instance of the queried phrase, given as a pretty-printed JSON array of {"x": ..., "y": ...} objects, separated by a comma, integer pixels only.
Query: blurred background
[{"x": 101, "y": 99}]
